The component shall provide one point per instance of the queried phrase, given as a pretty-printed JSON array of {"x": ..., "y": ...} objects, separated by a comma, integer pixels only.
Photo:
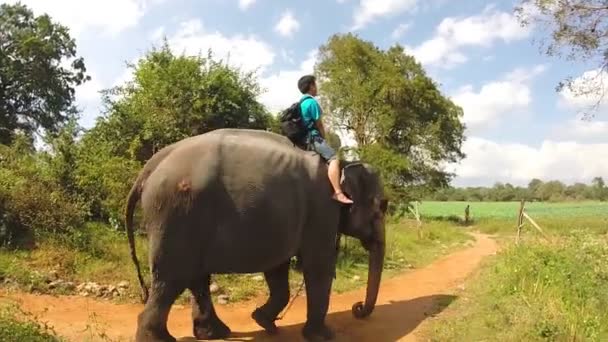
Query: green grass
[
  {"x": 100, "y": 255},
  {"x": 535, "y": 292},
  {"x": 509, "y": 210},
  {"x": 19, "y": 326}
]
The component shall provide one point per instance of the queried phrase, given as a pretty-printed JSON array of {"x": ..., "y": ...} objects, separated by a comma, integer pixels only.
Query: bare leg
[
  {"x": 152, "y": 322},
  {"x": 333, "y": 172},
  {"x": 278, "y": 284},
  {"x": 205, "y": 323}
]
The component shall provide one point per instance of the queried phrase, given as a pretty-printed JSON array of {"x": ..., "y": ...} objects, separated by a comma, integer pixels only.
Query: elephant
[{"x": 246, "y": 201}]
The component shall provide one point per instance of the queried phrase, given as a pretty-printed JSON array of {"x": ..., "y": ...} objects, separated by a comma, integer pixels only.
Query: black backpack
[{"x": 292, "y": 124}]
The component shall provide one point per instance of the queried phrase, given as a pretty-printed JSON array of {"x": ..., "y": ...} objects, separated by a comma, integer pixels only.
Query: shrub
[{"x": 29, "y": 207}]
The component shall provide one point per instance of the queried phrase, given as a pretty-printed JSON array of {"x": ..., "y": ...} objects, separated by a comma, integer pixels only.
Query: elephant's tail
[{"x": 132, "y": 200}]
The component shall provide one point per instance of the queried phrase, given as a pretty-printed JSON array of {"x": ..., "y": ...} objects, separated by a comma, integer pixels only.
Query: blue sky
[{"x": 518, "y": 126}]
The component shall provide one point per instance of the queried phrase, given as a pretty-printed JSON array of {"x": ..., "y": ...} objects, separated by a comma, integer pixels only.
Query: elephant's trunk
[{"x": 376, "y": 264}]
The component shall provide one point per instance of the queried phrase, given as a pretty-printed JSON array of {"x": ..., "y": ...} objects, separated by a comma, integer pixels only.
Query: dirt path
[{"x": 403, "y": 305}]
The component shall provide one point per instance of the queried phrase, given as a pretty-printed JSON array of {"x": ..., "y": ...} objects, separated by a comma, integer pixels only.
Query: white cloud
[
  {"x": 370, "y": 10},
  {"x": 88, "y": 99},
  {"x": 400, "y": 30},
  {"x": 282, "y": 87},
  {"x": 568, "y": 161},
  {"x": 588, "y": 90},
  {"x": 245, "y": 4},
  {"x": 493, "y": 100},
  {"x": 287, "y": 25},
  {"x": 587, "y": 131},
  {"x": 452, "y": 34},
  {"x": 108, "y": 16},
  {"x": 246, "y": 52}
]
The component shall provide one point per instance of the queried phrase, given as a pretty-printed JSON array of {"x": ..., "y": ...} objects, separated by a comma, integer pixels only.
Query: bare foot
[{"x": 340, "y": 197}]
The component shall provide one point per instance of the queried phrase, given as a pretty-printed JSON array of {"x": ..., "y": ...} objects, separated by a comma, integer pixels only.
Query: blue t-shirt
[{"x": 311, "y": 112}]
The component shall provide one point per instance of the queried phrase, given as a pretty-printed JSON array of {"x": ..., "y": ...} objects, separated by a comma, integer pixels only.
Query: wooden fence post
[{"x": 520, "y": 219}]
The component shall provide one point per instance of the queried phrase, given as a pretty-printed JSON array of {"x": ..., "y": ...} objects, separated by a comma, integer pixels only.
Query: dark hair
[{"x": 305, "y": 82}]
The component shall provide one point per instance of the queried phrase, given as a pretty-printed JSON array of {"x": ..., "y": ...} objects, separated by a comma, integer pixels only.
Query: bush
[
  {"x": 28, "y": 208},
  {"x": 15, "y": 328},
  {"x": 31, "y": 202}
]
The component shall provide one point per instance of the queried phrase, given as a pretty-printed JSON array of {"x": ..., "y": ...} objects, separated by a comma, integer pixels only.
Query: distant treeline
[{"x": 537, "y": 190}]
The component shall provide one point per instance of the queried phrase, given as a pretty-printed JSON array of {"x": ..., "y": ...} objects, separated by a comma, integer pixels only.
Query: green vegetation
[
  {"x": 539, "y": 290},
  {"x": 535, "y": 292},
  {"x": 509, "y": 210},
  {"x": 537, "y": 190},
  {"x": 18, "y": 326}
]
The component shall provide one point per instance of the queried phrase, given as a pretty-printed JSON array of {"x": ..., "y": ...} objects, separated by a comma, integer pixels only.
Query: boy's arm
[{"x": 316, "y": 118}]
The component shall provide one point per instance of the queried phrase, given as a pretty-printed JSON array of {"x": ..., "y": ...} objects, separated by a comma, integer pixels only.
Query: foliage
[
  {"x": 536, "y": 292},
  {"x": 19, "y": 326},
  {"x": 537, "y": 190},
  {"x": 400, "y": 120},
  {"x": 36, "y": 86},
  {"x": 174, "y": 97},
  {"x": 30, "y": 203},
  {"x": 578, "y": 30}
]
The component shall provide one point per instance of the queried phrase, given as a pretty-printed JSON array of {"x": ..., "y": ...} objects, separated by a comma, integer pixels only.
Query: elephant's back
[{"x": 247, "y": 184}]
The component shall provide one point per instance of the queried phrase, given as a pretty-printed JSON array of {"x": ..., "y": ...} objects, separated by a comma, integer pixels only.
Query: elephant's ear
[{"x": 350, "y": 179}]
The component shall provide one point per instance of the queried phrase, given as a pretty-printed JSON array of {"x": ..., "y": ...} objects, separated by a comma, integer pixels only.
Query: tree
[
  {"x": 173, "y": 97},
  {"x": 599, "y": 189},
  {"x": 578, "y": 30},
  {"x": 36, "y": 87},
  {"x": 400, "y": 120}
]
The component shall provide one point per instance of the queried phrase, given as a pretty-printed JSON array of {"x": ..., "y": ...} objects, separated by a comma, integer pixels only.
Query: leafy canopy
[
  {"x": 172, "y": 97},
  {"x": 578, "y": 31},
  {"x": 36, "y": 85},
  {"x": 398, "y": 117}
]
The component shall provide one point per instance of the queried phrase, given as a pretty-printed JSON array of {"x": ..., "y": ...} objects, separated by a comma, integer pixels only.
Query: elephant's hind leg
[
  {"x": 152, "y": 322},
  {"x": 278, "y": 284},
  {"x": 206, "y": 324}
]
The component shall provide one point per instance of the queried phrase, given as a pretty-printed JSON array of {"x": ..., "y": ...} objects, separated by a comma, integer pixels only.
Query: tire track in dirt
[{"x": 404, "y": 303}]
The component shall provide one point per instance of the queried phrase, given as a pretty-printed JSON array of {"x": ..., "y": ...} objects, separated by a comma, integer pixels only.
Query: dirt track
[{"x": 403, "y": 305}]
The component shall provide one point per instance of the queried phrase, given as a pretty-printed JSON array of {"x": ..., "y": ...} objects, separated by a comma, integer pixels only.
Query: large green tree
[
  {"x": 172, "y": 97},
  {"x": 37, "y": 86},
  {"x": 400, "y": 120},
  {"x": 578, "y": 31}
]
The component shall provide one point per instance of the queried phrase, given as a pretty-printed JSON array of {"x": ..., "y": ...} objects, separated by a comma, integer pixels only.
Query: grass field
[
  {"x": 508, "y": 210},
  {"x": 539, "y": 290}
]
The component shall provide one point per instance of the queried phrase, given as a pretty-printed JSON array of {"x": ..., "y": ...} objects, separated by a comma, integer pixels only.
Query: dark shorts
[{"x": 320, "y": 146}]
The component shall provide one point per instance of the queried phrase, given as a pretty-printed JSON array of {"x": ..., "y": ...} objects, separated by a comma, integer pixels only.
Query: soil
[{"x": 405, "y": 304}]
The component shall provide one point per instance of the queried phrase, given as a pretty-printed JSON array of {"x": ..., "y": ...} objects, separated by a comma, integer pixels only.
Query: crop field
[{"x": 508, "y": 210}]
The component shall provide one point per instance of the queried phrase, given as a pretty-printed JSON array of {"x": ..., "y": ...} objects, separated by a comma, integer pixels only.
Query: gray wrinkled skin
[{"x": 246, "y": 201}]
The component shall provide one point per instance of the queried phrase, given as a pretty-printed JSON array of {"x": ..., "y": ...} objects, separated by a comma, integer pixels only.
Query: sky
[{"x": 518, "y": 126}]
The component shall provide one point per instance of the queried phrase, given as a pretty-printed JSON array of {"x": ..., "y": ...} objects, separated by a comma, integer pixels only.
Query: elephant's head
[{"x": 364, "y": 220}]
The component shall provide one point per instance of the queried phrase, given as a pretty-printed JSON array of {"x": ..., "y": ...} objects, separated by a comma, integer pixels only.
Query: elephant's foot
[
  {"x": 317, "y": 332},
  {"x": 262, "y": 319},
  {"x": 154, "y": 335},
  {"x": 211, "y": 330}
]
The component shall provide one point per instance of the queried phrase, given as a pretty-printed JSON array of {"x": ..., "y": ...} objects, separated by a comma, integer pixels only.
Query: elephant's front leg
[
  {"x": 278, "y": 284},
  {"x": 318, "y": 282},
  {"x": 206, "y": 324}
]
